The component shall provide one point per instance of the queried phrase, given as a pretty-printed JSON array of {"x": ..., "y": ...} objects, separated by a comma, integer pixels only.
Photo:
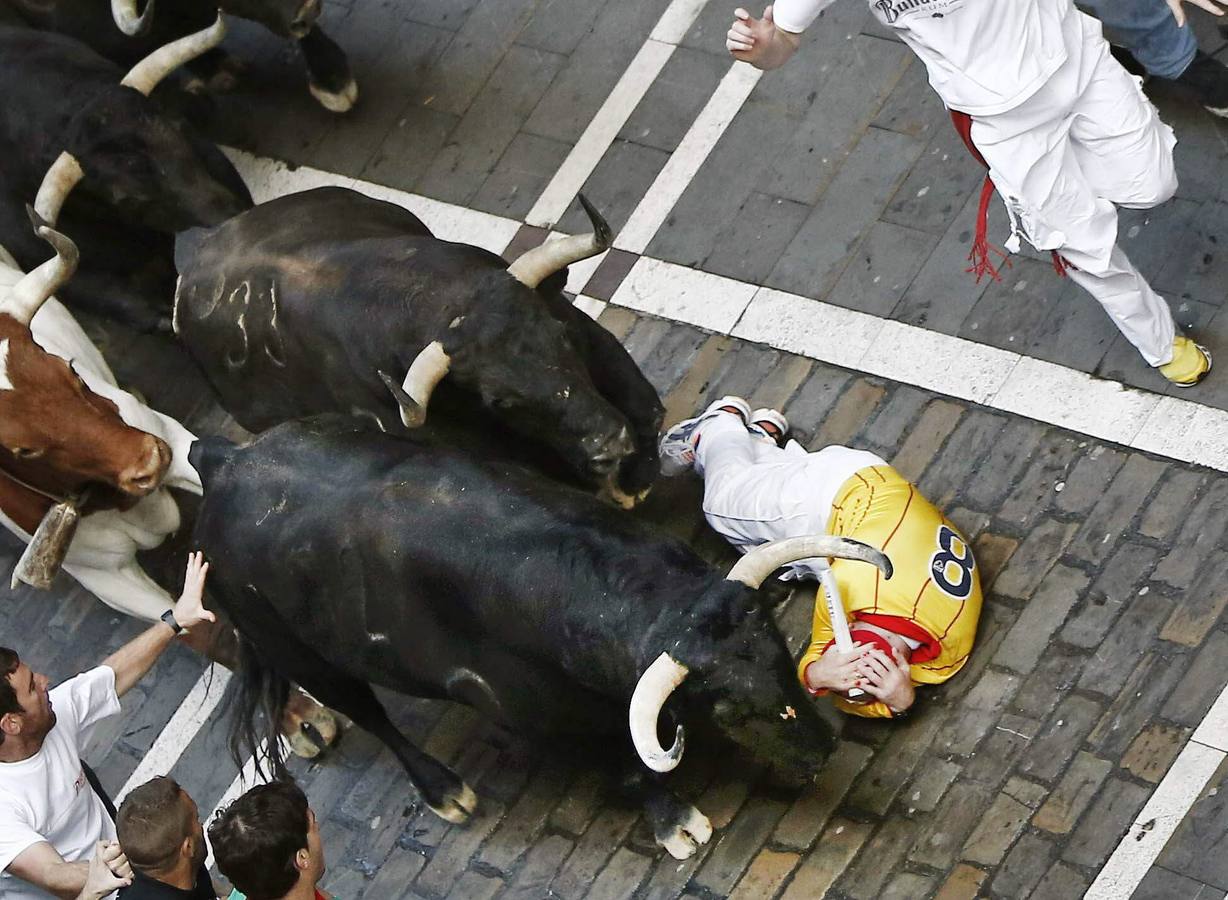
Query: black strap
[{"x": 92, "y": 778}]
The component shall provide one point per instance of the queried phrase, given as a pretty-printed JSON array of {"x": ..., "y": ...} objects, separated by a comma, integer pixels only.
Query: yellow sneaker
[{"x": 1190, "y": 363}]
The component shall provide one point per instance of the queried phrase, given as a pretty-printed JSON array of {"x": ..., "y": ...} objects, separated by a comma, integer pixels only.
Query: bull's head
[
  {"x": 520, "y": 360},
  {"x": 144, "y": 164},
  {"x": 289, "y": 18},
  {"x": 732, "y": 666},
  {"x": 55, "y": 433}
]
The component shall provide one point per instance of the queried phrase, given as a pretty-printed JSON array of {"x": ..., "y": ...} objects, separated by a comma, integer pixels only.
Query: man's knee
[{"x": 1158, "y": 188}]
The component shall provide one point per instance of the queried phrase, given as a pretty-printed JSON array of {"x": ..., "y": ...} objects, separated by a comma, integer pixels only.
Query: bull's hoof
[
  {"x": 311, "y": 733},
  {"x": 683, "y": 838},
  {"x": 457, "y": 806},
  {"x": 336, "y": 101}
]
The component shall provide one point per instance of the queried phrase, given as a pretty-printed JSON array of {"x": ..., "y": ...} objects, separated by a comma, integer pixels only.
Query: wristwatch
[{"x": 169, "y": 618}]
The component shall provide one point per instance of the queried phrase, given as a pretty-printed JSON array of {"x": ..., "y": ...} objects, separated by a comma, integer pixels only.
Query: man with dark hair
[
  {"x": 51, "y": 816},
  {"x": 268, "y": 844},
  {"x": 159, "y": 829}
]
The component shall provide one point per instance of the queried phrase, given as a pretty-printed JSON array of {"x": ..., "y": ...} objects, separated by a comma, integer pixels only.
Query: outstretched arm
[
  {"x": 131, "y": 661},
  {"x": 758, "y": 41}
]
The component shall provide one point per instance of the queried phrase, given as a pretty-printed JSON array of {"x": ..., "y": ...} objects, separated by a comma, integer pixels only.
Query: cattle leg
[
  {"x": 329, "y": 76},
  {"x": 308, "y": 727},
  {"x": 444, "y": 792},
  {"x": 677, "y": 826}
]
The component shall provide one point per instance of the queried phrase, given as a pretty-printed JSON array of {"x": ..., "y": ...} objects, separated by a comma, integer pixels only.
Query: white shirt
[
  {"x": 983, "y": 57},
  {"x": 46, "y": 797}
]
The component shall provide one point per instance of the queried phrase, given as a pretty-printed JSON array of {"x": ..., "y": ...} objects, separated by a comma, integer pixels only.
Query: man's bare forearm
[{"x": 131, "y": 661}]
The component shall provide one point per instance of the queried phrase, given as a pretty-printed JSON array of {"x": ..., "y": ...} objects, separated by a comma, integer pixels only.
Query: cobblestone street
[{"x": 839, "y": 184}]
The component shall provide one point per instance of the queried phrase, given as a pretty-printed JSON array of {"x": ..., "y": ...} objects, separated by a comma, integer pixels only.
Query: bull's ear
[{"x": 555, "y": 282}]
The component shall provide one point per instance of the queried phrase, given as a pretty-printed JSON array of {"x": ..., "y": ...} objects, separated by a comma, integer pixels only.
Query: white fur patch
[{"x": 5, "y": 384}]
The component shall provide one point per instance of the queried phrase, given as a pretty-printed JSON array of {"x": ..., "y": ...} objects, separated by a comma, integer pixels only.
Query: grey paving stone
[
  {"x": 891, "y": 421},
  {"x": 1202, "y": 682},
  {"x": 1089, "y": 479},
  {"x": 595, "y": 66},
  {"x": 1141, "y": 696},
  {"x": 1073, "y": 794},
  {"x": 409, "y": 146},
  {"x": 996, "y": 831},
  {"x": 1200, "y": 608},
  {"x": 956, "y": 465},
  {"x": 1075, "y": 332},
  {"x": 1171, "y": 504},
  {"x": 995, "y": 757},
  {"x": 907, "y": 885},
  {"x": 1117, "y": 588},
  {"x": 1163, "y": 884},
  {"x": 1061, "y": 882},
  {"x": 877, "y": 786},
  {"x": 1042, "y": 547},
  {"x": 489, "y": 125},
  {"x": 977, "y": 711},
  {"x": 1012, "y": 311},
  {"x": 818, "y": 255},
  {"x": 882, "y": 268},
  {"x": 557, "y": 25},
  {"x": 439, "y": 13},
  {"x": 532, "y": 881},
  {"x": 1024, "y": 867},
  {"x": 621, "y": 180},
  {"x": 1188, "y": 850},
  {"x": 1197, "y": 266},
  {"x": 809, "y": 814},
  {"x": 865, "y": 878},
  {"x": 620, "y": 877},
  {"x": 934, "y": 192},
  {"x": 1034, "y": 493},
  {"x": 1119, "y": 505},
  {"x": 913, "y": 107},
  {"x": 1055, "y": 746},
  {"x": 1051, "y": 602},
  {"x": 738, "y": 845},
  {"x": 593, "y": 850},
  {"x": 930, "y": 784},
  {"x": 1106, "y": 822},
  {"x": 1003, "y": 464},
  {"x": 1203, "y": 528},
  {"x": 721, "y": 186},
  {"x": 815, "y": 399},
  {"x": 675, "y": 99},
  {"x": 520, "y": 176},
  {"x": 945, "y": 832},
  {"x": 758, "y": 233}
]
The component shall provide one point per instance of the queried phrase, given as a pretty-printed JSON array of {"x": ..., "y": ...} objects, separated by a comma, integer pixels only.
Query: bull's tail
[{"x": 257, "y": 703}]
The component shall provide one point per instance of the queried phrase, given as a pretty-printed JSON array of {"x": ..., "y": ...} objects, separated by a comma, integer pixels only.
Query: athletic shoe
[
  {"x": 678, "y": 443},
  {"x": 770, "y": 424},
  {"x": 1207, "y": 77},
  {"x": 1190, "y": 363}
]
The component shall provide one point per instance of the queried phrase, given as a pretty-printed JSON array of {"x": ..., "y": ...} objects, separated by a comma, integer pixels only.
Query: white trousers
[
  {"x": 1087, "y": 140},
  {"x": 756, "y": 492}
]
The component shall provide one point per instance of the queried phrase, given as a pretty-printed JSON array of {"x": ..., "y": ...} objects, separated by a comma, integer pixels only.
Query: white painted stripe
[
  {"x": 1213, "y": 730},
  {"x": 1152, "y": 828},
  {"x": 998, "y": 379},
  {"x": 690, "y": 154},
  {"x": 183, "y": 726},
  {"x": 614, "y": 113}
]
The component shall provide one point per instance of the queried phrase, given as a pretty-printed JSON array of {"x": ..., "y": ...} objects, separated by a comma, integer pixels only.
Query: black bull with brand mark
[
  {"x": 327, "y": 300},
  {"x": 347, "y": 558}
]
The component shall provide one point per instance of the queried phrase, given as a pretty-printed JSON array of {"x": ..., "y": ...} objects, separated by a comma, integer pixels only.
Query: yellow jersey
[{"x": 933, "y": 598}]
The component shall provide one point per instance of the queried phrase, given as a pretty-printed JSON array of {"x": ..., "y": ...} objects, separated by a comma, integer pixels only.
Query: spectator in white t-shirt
[{"x": 51, "y": 819}]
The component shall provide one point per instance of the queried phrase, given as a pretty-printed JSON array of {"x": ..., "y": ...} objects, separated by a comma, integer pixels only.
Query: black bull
[
  {"x": 348, "y": 558},
  {"x": 147, "y": 174},
  {"x": 296, "y": 306}
]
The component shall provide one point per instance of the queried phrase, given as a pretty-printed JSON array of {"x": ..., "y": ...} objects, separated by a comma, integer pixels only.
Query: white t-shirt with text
[{"x": 46, "y": 797}]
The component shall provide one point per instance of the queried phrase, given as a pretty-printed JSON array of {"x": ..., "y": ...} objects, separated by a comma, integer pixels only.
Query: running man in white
[{"x": 1065, "y": 130}]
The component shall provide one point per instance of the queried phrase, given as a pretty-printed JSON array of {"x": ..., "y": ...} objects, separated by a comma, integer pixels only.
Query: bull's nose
[
  {"x": 609, "y": 451},
  {"x": 145, "y": 476}
]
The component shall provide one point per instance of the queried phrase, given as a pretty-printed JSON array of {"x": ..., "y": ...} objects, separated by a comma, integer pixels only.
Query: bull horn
[
  {"x": 765, "y": 559},
  {"x": 414, "y": 394},
  {"x": 128, "y": 20},
  {"x": 651, "y": 691},
  {"x": 146, "y": 74},
  {"x": 31, "y": 292},
  {"x": 45, "y": 553},
  {"x": 534, "y": 266},
  {"x": 57, "y": 184}
]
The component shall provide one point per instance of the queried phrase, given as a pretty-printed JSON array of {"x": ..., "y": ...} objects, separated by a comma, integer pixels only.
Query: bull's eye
[{"x": 26, "y": 453}]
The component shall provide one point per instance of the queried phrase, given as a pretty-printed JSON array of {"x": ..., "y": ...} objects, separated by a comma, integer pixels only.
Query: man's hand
[
  {"x": 1179, "y": 10},
  {"x": 759, "y": 42},
  {"x": 189, "y": 608},
  {"x": 109, "y": 871},
  {"x": 836, "y": 671},
  {"x": 887, "y": 678}
]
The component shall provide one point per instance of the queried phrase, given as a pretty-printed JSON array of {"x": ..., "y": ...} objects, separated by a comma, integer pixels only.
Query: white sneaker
[
  {"x": 761, "y": 419},
  {"x": 678, "y": 443}
]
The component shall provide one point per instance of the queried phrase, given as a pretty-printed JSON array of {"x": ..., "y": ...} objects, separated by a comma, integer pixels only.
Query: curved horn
[
  {"x": 128, "y": 20},
  {"x": 651, "y": 691},
  {"x": 146, "y": 74},
  {"x": 534, "y": 266},
  {"x": 32, "y": 291},
  {"x": 412, "y": 395},
  {"x": 57, "y": 184},
  {"x": 765, "y": 559}
]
